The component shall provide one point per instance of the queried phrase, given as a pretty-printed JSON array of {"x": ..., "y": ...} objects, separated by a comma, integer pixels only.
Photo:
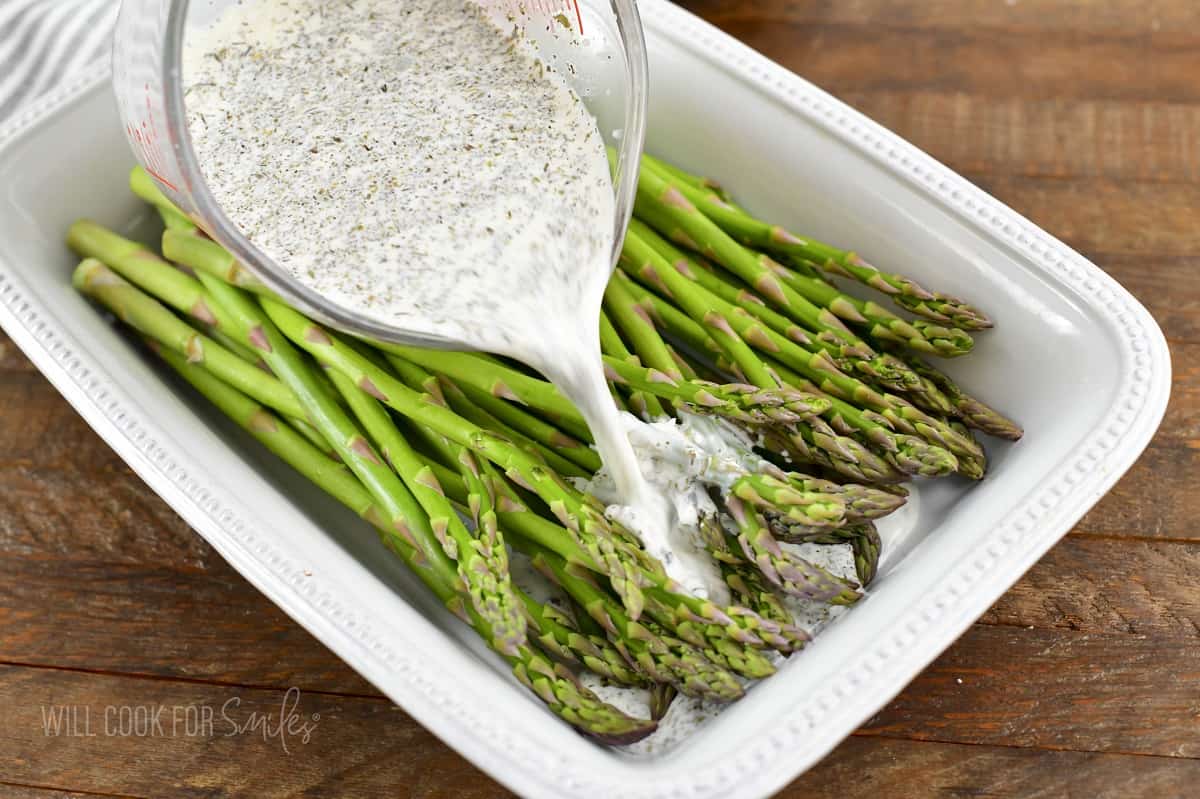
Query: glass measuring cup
[{"x": 597, "y": 45}]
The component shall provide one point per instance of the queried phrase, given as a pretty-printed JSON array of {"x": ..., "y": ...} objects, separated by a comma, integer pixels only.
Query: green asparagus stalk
[
  {"x": 144, "y": 186},
  {"x": 862, "y": 502},
  {"x": 502, "y": 381},
  {"x": 884, "y": 369},
  {"x": 880, "y": 324},
  {"x": 665, "y": 209},
  {"x": 707, "y": 185},
  {"x": 481, "y": 559},
  {"x": 632, "y": 321},
  {"x": 973, "y": 412},
  {"x": 557, "y": 634},
  {"x": 946, "y": 310},
  {"x": 148, "y": 317},
  {"x": 625, "y": 564},
  {"x": 646, "y": 406},
  {"x": 661, "y": 697},
  {"x": 471, "y": 411},
  {"x": 553, "y": 683},
  {"x": 863, "y": 539},
  {"x": 755, "y": 233},
  {"x": 205, "y": 255},
  {"x": 767, "y": 493},
  {"x": 638, "y": 255},
  {"x": 536, "y": 429},
  {"x": 152, "y": 274},
  {"x": 742, "y": 403},
  {"x": 400, "y": 507},
  {"x": 908, "y": 454},
  {"x": 746, "y": 583},
  {"x": 816, "y": 366},
  {"x": 787, "y": 572},
  {"x": 661, "y": 657}
]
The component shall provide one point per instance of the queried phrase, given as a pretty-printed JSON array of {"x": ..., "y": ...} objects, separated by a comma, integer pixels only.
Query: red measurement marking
[
  {"x": 145, "y": 138},
  {"x": 578, "y": 15}
]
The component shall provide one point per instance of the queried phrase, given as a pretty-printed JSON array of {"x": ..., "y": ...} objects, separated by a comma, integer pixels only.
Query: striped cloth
[{"x": 44, "y": 41}]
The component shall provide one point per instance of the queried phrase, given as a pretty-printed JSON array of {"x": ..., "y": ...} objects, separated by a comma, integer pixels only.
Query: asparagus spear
[
  {"x": 637, "y": 255},
  {"x": 140, "y": 266},
  {"x": 583, "y": 518},
  {"x": 646, "y": 406},
  {"x": 737, "y": 402},
  {"x": 708, "y": 185},
  {"x": 885, "y": 369},
  {"x": 973, "y": 412},
  {"x": 551, "y": 682},
  {"x": 482, "y": 570},
  {"x": 657, "y": 655},
  {"x": 631, "y": 320},
  {"x": 664, "y": 208},
  {"x": 879, "y": 323},
  {"x": 148, "y": 317},
  {"x": 862, "y": 502},
  {"x": 481, "y": 558},
  {"x": 746, "y": 583},
  {"x": 141, "y": 184},
  {"x": 805, "y": 507},
  {"x": 205, "y": 255},
  {"x": 557, "y": 634},
  {"x": 791, "y": 574},
  {"x": 863, "y": 539},
  {"x": 755, "y": 233},
  {"x": 499, "y": 380}
]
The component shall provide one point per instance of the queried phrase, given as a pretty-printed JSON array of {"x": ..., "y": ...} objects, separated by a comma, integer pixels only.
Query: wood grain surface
[{"x": 1083, "y": 681}]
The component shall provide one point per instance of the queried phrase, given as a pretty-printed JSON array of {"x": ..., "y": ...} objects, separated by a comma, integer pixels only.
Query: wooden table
[{"x": 1083, "y": 681}]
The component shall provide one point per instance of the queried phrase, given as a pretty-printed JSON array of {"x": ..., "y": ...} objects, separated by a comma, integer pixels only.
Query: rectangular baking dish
[{"x": 1066, "y": 336}]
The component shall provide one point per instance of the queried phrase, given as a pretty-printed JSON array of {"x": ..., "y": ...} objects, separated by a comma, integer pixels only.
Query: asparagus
[
  {"x": 885, "y": 369},
  {"x": 699, "y": 621},
  {"x": 708, "y": 185},
  {"x": 755, "y": 233},
  {"x": 205, "y": 255},
  {"x": 647, "y": 406},
  {"x": 147, "y": 316},
  {"x": 906, "y": 453},
  {"x": 791, "y": 574},
  {"x": 862, "y": 502},
  {"x": 972, "y": 412},
  {"x": 558, "y": 634},
  {"x": 863, "y": 539},
  {"x": 459, "y": 402},
  {"x": 745, "y": 582},
  {"x": 661, "y": 696},
  {"x": 657, "y": 655},
  {"x": 637, "y": 255},
  {"x": 810, "y": 508},
  {"x": 632, "y": 320},
  {"x": 737, "y": 402},
  {"x": 481, "y": 558},
  {"x": 664, "y": 208},
  {"x": 879, "y": 323},
  {"x": 482, "y": 573},
  {"x": 140, "y": 266},
  {"x": 945, "y": 309},
  {"x": 141, "y": 184},
  {"x": 553, "y": 683},
  {"x": 817, "y": 366},
  {"x": 499, "y": 380},
  {"x": 620, "y": 558},
  {"x": 534, "y": 428}
]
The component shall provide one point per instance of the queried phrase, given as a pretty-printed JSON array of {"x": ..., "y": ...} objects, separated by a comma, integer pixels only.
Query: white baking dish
[{"x": 1074, "y": 357}]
